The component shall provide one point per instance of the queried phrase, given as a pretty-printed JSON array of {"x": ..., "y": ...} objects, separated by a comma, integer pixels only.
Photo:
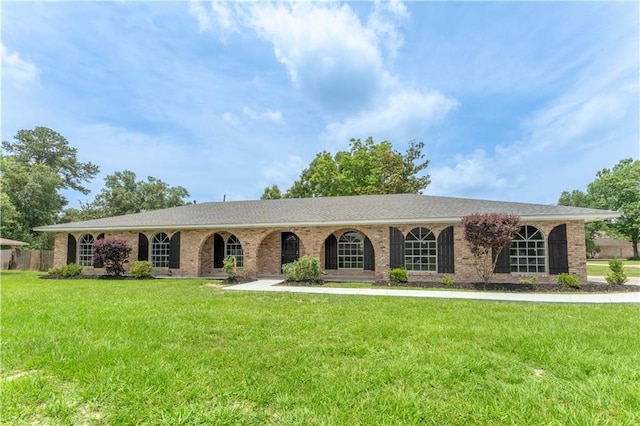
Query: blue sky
[{"x": 514, "y": 101}]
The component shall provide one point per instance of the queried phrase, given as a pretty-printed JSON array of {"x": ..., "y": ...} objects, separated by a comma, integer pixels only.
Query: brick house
[{"x": 356, "y": 236}]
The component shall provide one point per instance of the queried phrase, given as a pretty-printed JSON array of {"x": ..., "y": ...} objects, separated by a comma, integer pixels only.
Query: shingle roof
[{"x": 353, "y": 210}]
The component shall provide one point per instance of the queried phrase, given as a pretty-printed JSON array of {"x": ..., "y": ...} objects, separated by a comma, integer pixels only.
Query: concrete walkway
[{"x": 272, "y": 285}]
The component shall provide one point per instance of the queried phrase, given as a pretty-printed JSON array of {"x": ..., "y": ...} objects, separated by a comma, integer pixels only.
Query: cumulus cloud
[
  {"x": 338, "y": 61},
  {"x": 19, "y": 72},
  {"x": 328, "y": 53},
  {"x": 404, "y": 114}
]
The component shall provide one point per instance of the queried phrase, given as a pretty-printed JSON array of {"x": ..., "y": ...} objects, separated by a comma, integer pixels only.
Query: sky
[{"x": 515, "y": 101}]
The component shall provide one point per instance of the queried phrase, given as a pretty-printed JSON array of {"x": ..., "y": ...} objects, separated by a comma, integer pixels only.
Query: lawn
[
  {"x": 172, "y": 352},
  {"x": 600, "y": 268}
]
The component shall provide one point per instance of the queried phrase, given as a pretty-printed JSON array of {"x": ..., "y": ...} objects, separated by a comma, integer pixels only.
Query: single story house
[{"x": 354, "y": 236}]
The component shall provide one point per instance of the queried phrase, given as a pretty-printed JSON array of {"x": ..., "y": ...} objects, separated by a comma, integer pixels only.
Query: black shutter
[
  {"x": 446, "y": 259},
  {"x": 331, "y": 252},
  {"x": 174, "y": 251},
  {"x": 98, "y": 263},
  {"x": 503, "y": 266},
  {"x": 369, "y": 255},
  {"x": 143, "y": 247},
  {"x": 218, "y": 251},
  {"x": 558, "y": 254},
  {"x": 396, "y": 248},
  {"x": 71, "y": 249}
]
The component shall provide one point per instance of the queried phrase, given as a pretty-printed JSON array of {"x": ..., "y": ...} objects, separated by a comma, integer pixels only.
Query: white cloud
[
  {"x": 269, "y": 115},
  {"x": 231, "y": 119},
  {"x": 327, "y": 52},
  {"x": 200, "y": 13},
  {"x": 19, "y": 72},
  {"x": 591, "y": 125},
  {"x": 283, "y": 173},
  {"x": 404, "y": 114}
]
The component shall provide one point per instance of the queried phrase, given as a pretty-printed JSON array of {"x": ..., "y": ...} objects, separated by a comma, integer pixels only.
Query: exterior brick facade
[{"x": 262, "y": 249}]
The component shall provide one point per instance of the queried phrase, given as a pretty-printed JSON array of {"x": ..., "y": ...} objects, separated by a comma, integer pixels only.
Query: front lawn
[
  {"x": 172, "y": 352},
  {"x": 600, "y": 268}
]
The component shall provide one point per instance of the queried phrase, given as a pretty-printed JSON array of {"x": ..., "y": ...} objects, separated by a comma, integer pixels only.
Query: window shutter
[
  {"x": 396, "y": 248},
  {"x": 558, "y": 254},
  {"x": 503, "y": 266},
  {"x": 218, "y": 251},
  {"x": 331, "y": 252},
  {"x": 174, "y": 251},
  {"x": 98, "y": 263},
  {"x": 369, "y": 255},
  {"x": 143, "y": 247},
  {"x": 446, "y": 258},
  {"x": 71, "y": 249}
]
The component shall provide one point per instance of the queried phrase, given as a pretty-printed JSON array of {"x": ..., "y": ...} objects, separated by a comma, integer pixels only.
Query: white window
[
  {"x": 234, "y": 248},
  {"x": 420, "y": 250},
  {"x": 160, "y": 247},
  {"x": 351, "y": 251},
  {"x": 85, "y": 250},
  {"x": 527, "y": 252}
]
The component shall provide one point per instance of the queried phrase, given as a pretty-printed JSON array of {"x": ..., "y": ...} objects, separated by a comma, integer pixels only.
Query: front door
[{"x": 290, "y": 247}]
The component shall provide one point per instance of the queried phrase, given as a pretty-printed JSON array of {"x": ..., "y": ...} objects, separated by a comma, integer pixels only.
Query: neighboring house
[
  {"x": 613, "y": 248},
  {"x": 358, "y": 236}
]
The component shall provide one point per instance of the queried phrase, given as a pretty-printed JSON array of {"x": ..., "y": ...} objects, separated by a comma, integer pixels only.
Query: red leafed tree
[
  {"x": 113, "y": 253},
  {"x": 487, "y": 234}
]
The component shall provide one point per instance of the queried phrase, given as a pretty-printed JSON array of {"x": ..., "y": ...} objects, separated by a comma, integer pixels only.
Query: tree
[
  {"x": 487, "y": 235},
  {"x": 43, "y": 146},
  {"x": 113, "y": 253},
  {"x": 271, "y": 193},
  {"x": 32, "y": 191},
  {"x": 122, "y": 194},
  {"x": 614, "y": 189},
  {"x": 580, "y": 199},
  {"x": 367, "y": 168}
]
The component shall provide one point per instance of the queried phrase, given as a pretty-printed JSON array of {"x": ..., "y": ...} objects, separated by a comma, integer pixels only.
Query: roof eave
[{"x": 453, "y": 219}]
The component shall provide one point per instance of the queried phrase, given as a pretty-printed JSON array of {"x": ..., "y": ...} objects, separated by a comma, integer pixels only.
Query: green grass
[
  {"x": 172, "y": 352},
  {"x": 601, "y": 268}
]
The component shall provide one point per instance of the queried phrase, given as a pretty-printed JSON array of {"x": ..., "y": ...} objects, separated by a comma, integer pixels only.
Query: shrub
[
  {"x": 112, "y": 253},
  {"x": 448, "y": 280},
  {"x": 230, "y": 266},
  {"x": 617, "y": 275},
  {"x": 141, "y": 269},
  {"x": 398, "y": 275},
  {"x": 528, "y": 280},
  {"x": 568, "y": 280},
  {"x": 306, "y": 268},
  {"x": 487, "y": 234},
  {"x": 70, "y": 270}
]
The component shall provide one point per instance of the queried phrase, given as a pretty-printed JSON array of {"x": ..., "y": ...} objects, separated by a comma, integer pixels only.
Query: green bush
[
  {"x": 70, "y": 270},
  {"x": 617, "y": 275},
  {"x": 306, "y": 268},
  {"x": 568, "y": 280},
  {"x": 448, "y": 280},
  {"x": 528, "y": 280},
  {"x": 398, "y": 275},
  {"x": 230, "y": 266},
  {"x": 141, "y": 269}
]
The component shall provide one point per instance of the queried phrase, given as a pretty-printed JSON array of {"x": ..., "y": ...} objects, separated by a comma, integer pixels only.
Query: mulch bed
[{"x": 588, "y": 287}]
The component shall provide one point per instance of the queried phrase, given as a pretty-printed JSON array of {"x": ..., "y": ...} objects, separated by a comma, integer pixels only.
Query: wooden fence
[{"x": 33, "y": 260}]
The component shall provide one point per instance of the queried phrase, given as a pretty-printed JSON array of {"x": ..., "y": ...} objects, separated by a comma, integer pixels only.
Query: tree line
[{"x": 40, "y": 163}]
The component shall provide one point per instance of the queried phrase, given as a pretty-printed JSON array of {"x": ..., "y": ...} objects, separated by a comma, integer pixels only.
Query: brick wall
[{"x": 262, "y": 251}]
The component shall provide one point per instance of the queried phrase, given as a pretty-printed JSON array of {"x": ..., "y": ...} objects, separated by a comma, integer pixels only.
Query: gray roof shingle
[{"x": 353, "y": 210}]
